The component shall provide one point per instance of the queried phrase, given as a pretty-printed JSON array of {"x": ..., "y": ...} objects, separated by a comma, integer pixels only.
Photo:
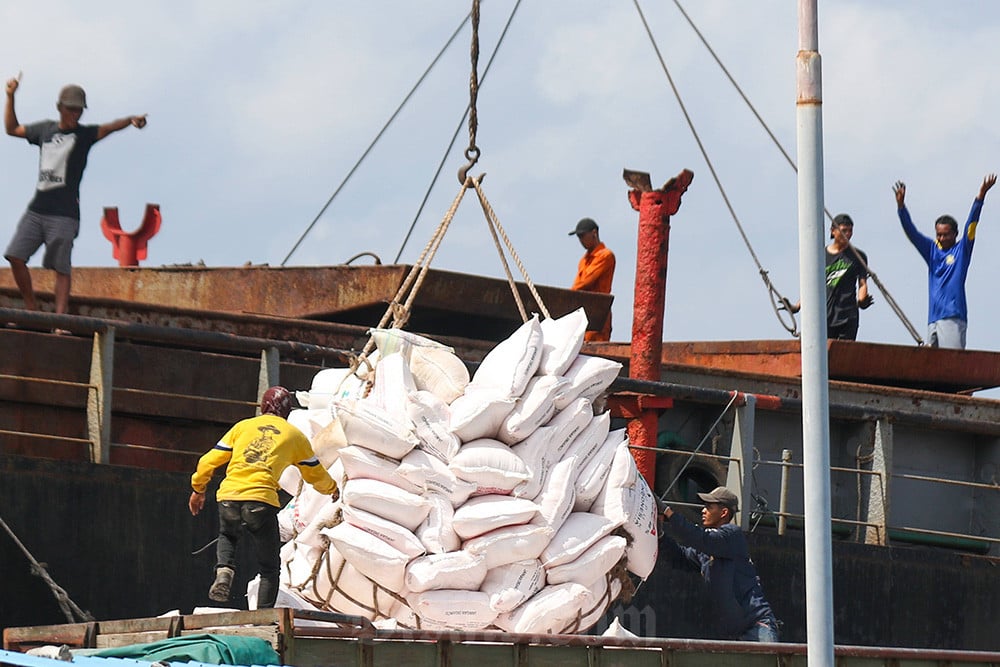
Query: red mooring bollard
[
  {"x": 130, "y": 247},
  {"x": 655, "y": 208}
]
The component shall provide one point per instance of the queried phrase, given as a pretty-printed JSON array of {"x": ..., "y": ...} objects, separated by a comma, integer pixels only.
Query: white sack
[
  {"x": 588, "y": 378},
  {"x": 479, "y": 412},
  {"x": 363, "y": 463},
  {"x": 330, "y": 384},
  {"x": 391, "y": 533},
  {"x": 436, "y": 532},
  {"x": 555, "y": 501},
  {"x": 482, "y": 514},
  {"x": 590, "y": 482},
  {"x": 510, "y": 585},
  {"x": 370, "y": 426},
  {"x": 310, "y": 421},
  {"x": 387, "y": 501},
  {"x": 434, "y": 476},
  {"x": 393, "y": 384},
  {"x": 562, "y": 339},
  {"x": 440, "y": 372},
  {"x": 327, "y": 515},
  {"x": 600, "y": 595},
  {"x": 533, "y": 409},
  {"x": 626, "y": 498},
  {"x": 491, "y": 465},
  {"x": 460, "y": 610},
  {"x": 510, "y": 544},
  {"x": 340, "y": 587},
  {"x": 458, "y": 570},
  {"x": 431, "y": 419},
  {"x": 549, "y": 611},
  {"x": 579, "y": 532},
  {"x": 369, "y": 555},
  {"x": 513, "y": 362},
  {"x": 435, "y": 367},
  {"x": 592, "y": 564}
]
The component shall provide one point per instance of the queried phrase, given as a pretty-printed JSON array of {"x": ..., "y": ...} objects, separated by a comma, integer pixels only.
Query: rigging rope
[
  {"x": 495, "y": 227},
  {"x": 788, "y": 158},
  {"x": 376, "y": 139},
  {"x": 454, "y": 136},
  {"x": 70, "y": 610},
  {"x": 779, "y": 303},
  {"x": 694, "y": 452}
]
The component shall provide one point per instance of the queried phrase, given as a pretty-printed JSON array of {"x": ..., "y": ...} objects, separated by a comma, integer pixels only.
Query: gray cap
[
  {"x": 584, "y": 226},
  {"x": 723, "y": 496},
  {"x": 73, "y": 96}
]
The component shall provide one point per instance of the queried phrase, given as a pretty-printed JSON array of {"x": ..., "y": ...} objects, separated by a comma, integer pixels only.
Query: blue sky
[{"x": 257, "y": 111}]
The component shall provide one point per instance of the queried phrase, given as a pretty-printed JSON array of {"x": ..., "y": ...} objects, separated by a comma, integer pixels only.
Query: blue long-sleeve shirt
[
  {"x": 723, "y": 558},
  {"x": 946, "y": 269}
]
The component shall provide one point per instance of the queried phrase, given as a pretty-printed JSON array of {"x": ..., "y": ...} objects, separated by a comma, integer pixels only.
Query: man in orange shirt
[{"x": 595, "y": 271}]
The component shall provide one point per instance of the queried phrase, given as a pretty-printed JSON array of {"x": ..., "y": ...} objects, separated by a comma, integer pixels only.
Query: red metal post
[
  {"x": 655, "y": 208},
  {"x": 129, "y": 247}
]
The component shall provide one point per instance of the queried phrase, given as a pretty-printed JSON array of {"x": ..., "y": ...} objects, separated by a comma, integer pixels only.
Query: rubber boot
[{"x": 219, "y": 592}]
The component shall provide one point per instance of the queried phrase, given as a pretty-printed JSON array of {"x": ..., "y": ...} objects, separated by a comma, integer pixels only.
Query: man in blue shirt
[
  {"x": 718, "y": 549},
  {"x": 948, "y": 259}
]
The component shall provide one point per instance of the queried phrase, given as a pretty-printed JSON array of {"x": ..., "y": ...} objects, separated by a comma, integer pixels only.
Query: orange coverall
[{"x": 594, "y": 274}]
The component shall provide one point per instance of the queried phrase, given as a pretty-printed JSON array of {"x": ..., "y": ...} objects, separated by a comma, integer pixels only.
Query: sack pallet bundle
[{"x": 496, "y": 501}]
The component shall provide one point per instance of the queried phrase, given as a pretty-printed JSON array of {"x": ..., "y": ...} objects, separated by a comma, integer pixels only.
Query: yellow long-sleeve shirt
[{"x": 255, "y": 452}]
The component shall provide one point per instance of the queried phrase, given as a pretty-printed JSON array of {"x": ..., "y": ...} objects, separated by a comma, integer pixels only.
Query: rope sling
[{"x": 398, "y": 312}]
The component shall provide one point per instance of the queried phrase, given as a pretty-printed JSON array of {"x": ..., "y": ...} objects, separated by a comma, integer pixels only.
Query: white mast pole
[{"x": 815, "y": 373}]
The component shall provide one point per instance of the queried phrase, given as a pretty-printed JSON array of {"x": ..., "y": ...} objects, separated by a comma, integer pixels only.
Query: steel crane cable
[
  {"x": 376, "y": 139},
  {"x": 454, "y": 136},
  {"x": 779, "y": 303},
  {"x": 788, "y": 158}
]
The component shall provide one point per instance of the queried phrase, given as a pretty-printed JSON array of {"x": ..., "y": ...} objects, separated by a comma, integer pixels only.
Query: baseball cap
[
  {"x": 584, "y": 226},
  {"x": 843, "y": 219},
  {"x": 723, "y": 496},
  {"x": 73, "y": 96}
]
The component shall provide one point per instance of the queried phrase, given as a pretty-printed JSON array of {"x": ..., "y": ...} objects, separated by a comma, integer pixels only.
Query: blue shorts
[{"x": 55, "y": 232}]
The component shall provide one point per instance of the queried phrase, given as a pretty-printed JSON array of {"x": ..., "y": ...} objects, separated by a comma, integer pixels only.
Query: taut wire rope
[
  {"x": 454, "y": 137},
  {"x": 788, "y": 158},
  {"x": 779, "y": 303},
  {"x": 694, "y": 452},
  {"x": 376, "y": 139}
]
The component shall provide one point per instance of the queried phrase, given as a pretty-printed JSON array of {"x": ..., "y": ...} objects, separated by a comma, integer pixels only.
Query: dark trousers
[{"x": 260, "y": 520}]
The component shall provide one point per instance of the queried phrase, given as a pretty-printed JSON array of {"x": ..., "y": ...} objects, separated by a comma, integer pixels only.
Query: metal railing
[
  {"x": 100, "y": 386},
  {"x": 881, "y": 529}
]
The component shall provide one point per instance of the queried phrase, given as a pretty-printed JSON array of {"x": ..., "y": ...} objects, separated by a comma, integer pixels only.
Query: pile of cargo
[{"x": 502, "y": 500}]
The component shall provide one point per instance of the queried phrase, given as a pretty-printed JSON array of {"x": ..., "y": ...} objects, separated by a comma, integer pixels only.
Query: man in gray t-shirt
[{"x": 53, "y": 215}]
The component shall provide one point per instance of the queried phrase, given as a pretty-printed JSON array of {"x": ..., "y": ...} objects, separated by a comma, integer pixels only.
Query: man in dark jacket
[{"x": 719, "y": 550}]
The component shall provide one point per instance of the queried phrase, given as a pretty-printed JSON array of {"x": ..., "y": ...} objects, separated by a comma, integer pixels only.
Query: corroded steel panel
[
  {"x": 446, "y": 301},
  {"x": 904, "y": 366}
]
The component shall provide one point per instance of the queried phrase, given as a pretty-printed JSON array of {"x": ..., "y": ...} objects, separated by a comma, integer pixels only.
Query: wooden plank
[{"x": 76, "y": 635}]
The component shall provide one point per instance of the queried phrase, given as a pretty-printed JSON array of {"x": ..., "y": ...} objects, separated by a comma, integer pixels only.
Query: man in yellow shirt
[
  {"x": 255, "y": 452},
  {"x": 595, "y": 271}
]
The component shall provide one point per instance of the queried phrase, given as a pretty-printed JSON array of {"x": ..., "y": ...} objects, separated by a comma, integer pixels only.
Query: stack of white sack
[{"x": 497, "y": 502}]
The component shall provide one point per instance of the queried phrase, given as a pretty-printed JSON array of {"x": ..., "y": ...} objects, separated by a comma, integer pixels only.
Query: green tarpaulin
[{"x": 211, "y": 649}]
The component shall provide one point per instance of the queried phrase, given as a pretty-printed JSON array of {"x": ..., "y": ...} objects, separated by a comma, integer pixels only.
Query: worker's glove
[{"x": 865, "y": 302}]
